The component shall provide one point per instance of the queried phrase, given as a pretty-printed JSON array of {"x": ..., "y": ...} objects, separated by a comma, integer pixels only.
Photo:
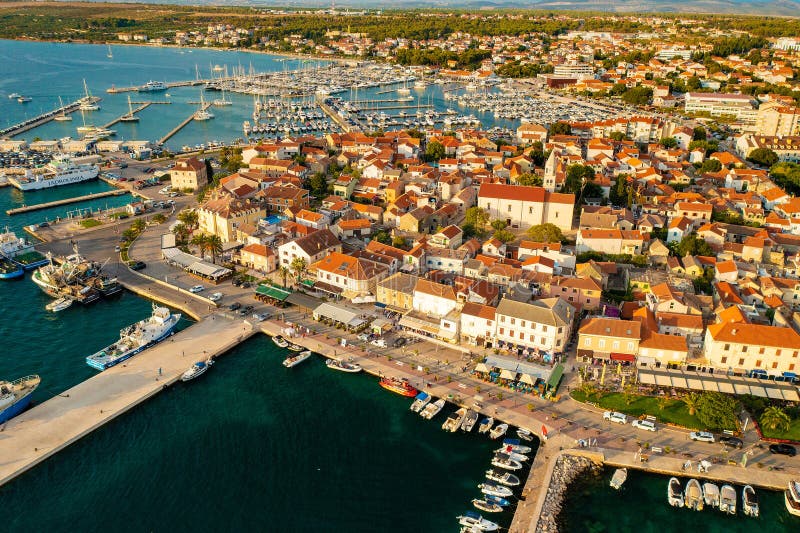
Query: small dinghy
[
  {"x": 508, "y": 450},
  {"x": 294, "y": 347},
  {"x": 486, "y": 425},
  {"x": 500, "y": 476},
  {"x": 711, "y": 494},
  {"x": 495, "y": 489},
  {"x": 295, "y": 360},
  {"x": 525, "y": 434},
  {"x": 59, "y": 305},
  {"x": 498, "y": 431},
  {"x": 280, "y": 341},
  {"x": 422, "y": 399},
  {"x": 487, "y": 506},
  {"x": 619, "y": 477},
  {"x": 516, "y": 446},
  {"x": 675, "y": 492},
  {"x": 343, "y": 366},
  {"x": 502, "y": 460},
  {"x": 432, "y": 409}
]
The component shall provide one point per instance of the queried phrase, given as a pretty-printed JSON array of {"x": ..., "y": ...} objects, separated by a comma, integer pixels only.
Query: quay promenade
[{"x": 47, "y": 428}]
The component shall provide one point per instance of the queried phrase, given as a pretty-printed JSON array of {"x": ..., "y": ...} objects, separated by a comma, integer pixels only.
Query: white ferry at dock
[{"x": 61, "y": 171}]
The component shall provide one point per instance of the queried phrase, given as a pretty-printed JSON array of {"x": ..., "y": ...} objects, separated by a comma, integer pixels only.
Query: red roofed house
[
  {"x": 522, "y": 206},
  {"x": 258, "y": 257}
]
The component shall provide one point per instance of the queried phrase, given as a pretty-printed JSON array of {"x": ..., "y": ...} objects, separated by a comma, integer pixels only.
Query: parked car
[
  {"x": 783, "y": 449},
  {"x": 701, "y": 436},
  {"x": 644, "y": 424},
  {"x": 732, "y": 442},
  {"x": 246, "y": 310},
  {"x": 117, "y": 249},
  {"x": 260, "y": 317},
  {"x": 613, "y": 416},
  {"x": 364, "y": 337},
  {"x": 246, "y": 284},
  {"x": 398, "y": 342},
  {"x": 234, "y": 306},
  {"x": 380, "y": 343},
  {"x": 136, "y": 265},
  {"x": 217, "y": 296},
  {"x": 236, "y": 282},
  {"x": 196, "y": 289}
]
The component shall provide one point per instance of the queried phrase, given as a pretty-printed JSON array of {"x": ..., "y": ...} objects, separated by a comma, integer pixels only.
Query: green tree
[
  {"x": 763, "y": 156},
  {"x": 214, "y": 245},
  {"x": 284, "y": 272},
  {"x": 669, "y": 142},
  {"x": 201, "y": 241},
  {"x": 691, "y": 400},
  {"x": 181, "y": 233},
  {"x": 298, "y": 267},
  {"x": 138, "y": 225},
  {"x": 710, "y": 165},
  {"x": 189, "y": 218},
  {"x": 399, "y": 242},
  {"x": 775, "y": 418},
  {"x": 638, "y": 95},
  {"x": 530, "y": 180},
  {"x": 560, "y": 128},
  {"x": 434, "y": 151},
  {"x": 504, "y": 235},
  {"x": 499, "y": 225},
  {"x": 318, "y": 184},
  {"x": 382, "y": 237},
  {"x": 477, "y": 217},
  {"x": 617, "y": 136},
  {"x": 577, "y": 176},
  {"x": 699, "y": 134},
  {"x": 693, "y": 245},
  {"x": 546, "y": 232},
  {"x": 717, "y": 411}
]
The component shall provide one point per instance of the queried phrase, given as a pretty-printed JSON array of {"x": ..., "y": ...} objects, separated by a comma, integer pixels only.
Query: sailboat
[
  {"x": 129, "y": 116},
  {"x": 404, "y": 90},
  {"x": 87, "y": 103},
  {"x": 86, "y": 128},
  {"x": 63, "y": 117},
  {"x": 110, "y": 54},
  {"x": 203, "y": 113},
  {"x": 222, "y": 101}
]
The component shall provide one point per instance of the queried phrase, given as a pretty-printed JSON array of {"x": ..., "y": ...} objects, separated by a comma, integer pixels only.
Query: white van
[{"x": 613, "y": 416}]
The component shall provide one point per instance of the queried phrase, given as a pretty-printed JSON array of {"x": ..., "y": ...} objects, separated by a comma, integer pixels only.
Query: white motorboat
[
  {"x": 486, "y": 425},
  {"x": 525, "y": 434},
  {"x": 501, "y": 476},
  {"x": 727, "y": 499},
  {"x": 295, "y": 360},
  {"x": 14, "y": 95},
  {"x": 693, "y": 495},
  {"x": 675, "y": 492},
  {"x": 494, "y": 489},
  {"x": 422, "y": 399},
  {"x": 470, "y": 419},
  {"x": 474, "y": 521},
  {"x": 711, "y": 494},
  {"x": 516, "y": 446},
  {"x": 749, "y": 502},
  {"x": 514, "y": 455},
  {"x": 454, "y": 420},
  {"x": 501, "y": 460},
  {"x": 343, "y": 366},
  {"x": 294, "y": 347},
  {"x": 487, "y": 506},
  {"x": 791, "y": 498},
  {"x": 59, "y": 305},
  {"x": 280, "y": 341},
  {"x": 619, "y": 477},
  {"x": 498, "y": 431},
  {"x": 197, "y": 370},
  {"x": 432, "y": 409}
]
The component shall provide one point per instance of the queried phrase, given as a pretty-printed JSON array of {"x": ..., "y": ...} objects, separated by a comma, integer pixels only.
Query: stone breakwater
[{"x": 565, "y": 471}]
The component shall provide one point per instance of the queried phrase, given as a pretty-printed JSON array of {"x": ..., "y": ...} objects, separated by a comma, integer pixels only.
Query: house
[
  {"x": 741, "y": 348},
  {"x": 435, "y": 299},
  {"x": 397, "y": 291},
  {"x": 279, "y": 198},
  {"x": 609, "y": 339},
  {"x": 446, "y": 259},
  {"x": 222, "y": 214},
  {"x": 542, "y": 325},
  {"x": 657, "y": 349},
  {"x": 610, "y": 241},
  {"x": 353, "y": 275},
  {"x": 478, "y": 324},
  {"x": 582, "y": 293},
  {"x": 679, "y": 227},
  {"x": 311, "y": 219},
  {"x": 258, "y": 257},
  {"x": 449, "y": 237},
  {"x": 311, "y": 248},
  {"x": 523, "y": 206},
  {"x": 188, "y": 174}
]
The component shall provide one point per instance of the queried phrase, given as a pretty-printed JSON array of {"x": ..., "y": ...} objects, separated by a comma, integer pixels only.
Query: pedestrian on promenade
[{"x": 159, "y": 371}]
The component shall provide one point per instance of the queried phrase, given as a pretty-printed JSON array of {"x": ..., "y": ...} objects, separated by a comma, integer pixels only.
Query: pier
[
  {"x": 170, "y": 85},
  {"x": 180, "y": 126},
  {"x": 347, "y": 128},
  {"x": 44, "y": 118},
  {"x": 142, "y": 107},
  {"x": 65, "y": 201}
]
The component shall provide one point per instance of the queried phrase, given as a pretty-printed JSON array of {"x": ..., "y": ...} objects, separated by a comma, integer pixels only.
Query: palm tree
[
  {"x": 189, "y": 218},
  {"x": 691, "y": 400},
  {"x": 298, "y": 266},
  {"x": 201, "y": 241},
  {"x": 284, "y": 272},
  {"x": 138, "y": 225},
  {"x": 214, "y": 245},
  {"x": 662, "y": 402},
  {"x": 775, "y": 418},
  {"x": 181, "y": 232}
]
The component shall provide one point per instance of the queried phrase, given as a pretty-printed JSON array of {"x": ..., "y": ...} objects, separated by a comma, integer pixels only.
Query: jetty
[
  {"x": 170, "y": 85},
  {"x": 142, "y": 107},
  {"x": 51, "y": 426},
  {"x": 44, "y": 118},
  {"x": 180, "y": 126},
  {"x": 347, "y": 128},
  {"x": 65, "y": 201}
]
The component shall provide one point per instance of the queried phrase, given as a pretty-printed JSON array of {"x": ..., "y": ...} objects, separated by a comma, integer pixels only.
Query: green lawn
[
  {"x": 90, "y": 223},
  {"x": 674, "y": 411},
  {"x": 792, "y": 434}
]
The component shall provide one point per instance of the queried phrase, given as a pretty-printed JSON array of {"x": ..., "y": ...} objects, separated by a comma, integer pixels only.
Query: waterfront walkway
[{"x": 40, "y": 432}]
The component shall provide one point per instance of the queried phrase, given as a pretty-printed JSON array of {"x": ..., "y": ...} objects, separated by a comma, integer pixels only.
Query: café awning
[
  {"x": 526, "y": 378},
  {"x": 630, "y": 358},
  {"x": 480, "y": 367},
  {"x": 682, "y": 379},
  {"x": 507, "y": 374}
]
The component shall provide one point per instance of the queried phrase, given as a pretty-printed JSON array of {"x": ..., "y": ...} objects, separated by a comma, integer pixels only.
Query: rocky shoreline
[{"x": 565, "y": 471}]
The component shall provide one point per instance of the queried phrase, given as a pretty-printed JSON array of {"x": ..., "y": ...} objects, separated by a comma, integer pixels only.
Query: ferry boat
[
  {"x": 343, "y": 366},
  {"x": 498, "y": 431},
  {"x": 24, "y": 99},
  {"x": 420, "y": 402},
  {"x": 15, "y": 396},
  {"x": 487, "y": 506},
  {"x": 197, "y": 370},
  {"x": 693, "y": 495},
  {"x": 500, "y": 476},
  {"x": 750, "y": 502},
  {"x": 727, "y": 499},
  {"x": 398, "y": 386},
  {"x": 61, "y": 171},
  {"x": 280, "y": 341},
  {"x": 791, "y": 498},
  {"x": 711, "y": 494},
  {"x": 152, "y": 86},
  {"x": 486, "y": 425},
  {"x": 135, "y": 338},
  {"x": 476, "y": 522},
  {"x": 432, "y": 409},
  {"x": 493, "y": 489},
  {"x": 675, "y": 492},
  {"x": 295, "y": 360}
]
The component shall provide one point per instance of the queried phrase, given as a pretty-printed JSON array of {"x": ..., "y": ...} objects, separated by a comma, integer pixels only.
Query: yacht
[
  {"x": 129, "y": 116},
  {"x": 422, "y": 399},
  {"x": 693, "y": 495},
  {"x": 476, "y": 522},
  {"x": 62, "y": 117},
  {"x": 514, "y": 455},
  {"x": 343, "y": 366},
  {"x": 292, "y": 347},
  {"x": 710, "y": 494},
  {"x": 675, "y": 492},
  {"x": 791, "y": 498},
  {"x": 493, "y": 489},
  {"x": 202, "y": 113},
  {"x": 12, "y": 96},
  {"x": 197, "y": 370},
  {"x": 501, "y": 476},
  {"x": 280, "y": 341},
  {"x": 619, "y": 477},
  {"x": 470, "y": 419},
  {"x": 487, "y": 506},
  {"x": 486, "y": 425},
  {"x": 24, "y": 99},
  {"x": 87, "y": 103},
  {"x": 515, "y": 446},
  {"x": 59, "y": 305},
  {"x": 727, "y": 499},
  {"x": 295, "y": 360},
  {"x": 749, "y": 502},
  {"x": 152, "y": 86},
  {"x": 498, "y": 431},
  {"x": 501, "y": 460},
  {"x": 432, "y": 409}
]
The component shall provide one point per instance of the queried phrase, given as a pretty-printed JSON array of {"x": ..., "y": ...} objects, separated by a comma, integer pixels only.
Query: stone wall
[{"x": 565, "y": 471}]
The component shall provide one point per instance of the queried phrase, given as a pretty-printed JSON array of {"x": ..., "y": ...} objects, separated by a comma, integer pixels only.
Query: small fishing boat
[
  {"x": 511, "y": 453},
  {"x": 693, "y": 495},
  {"x": 422, "y": 399},
  {"x": 343, "y": 366},
  {"x": 473, "y": 520},
  {"x": 675, "y": 492},
  {"x": 295, "y": 360},
  {"x": 711, "y": 494},
  {"x": 502, "y": 502},
  {"x": 486, "y": 506},
  {"x": 432, "y": 409},
  {"x": 197, "y": 370},
  {"x": 486, "y": 425},
  {"x": 749, "y": 502},
  {"x": 398, "y": 386},
  {"x": 498, "y": 431},
  {"x": 59, "y": 305},
  {"x": 470, "y": 419},
  {"x": 516, "y": 446},
  {"x": 294, "y": 347},
  {"x": 493, "y": 489},
  {"x": 501, "y": 460},
  {"x": 727, "y": 499},
  {"x": 791, "y": 497},
  {"x": 501, "y": 476},
  {"x": 619, "y": 477},
  {"x": 525, "y": 434},
  {"x": 280, "y": 341}
]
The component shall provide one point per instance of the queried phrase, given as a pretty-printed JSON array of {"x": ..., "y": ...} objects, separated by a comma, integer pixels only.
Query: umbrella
[{"x": 603, "y": 375}]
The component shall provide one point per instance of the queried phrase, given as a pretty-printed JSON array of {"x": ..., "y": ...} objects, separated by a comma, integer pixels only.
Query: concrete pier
[
  {"x": 142, "y": 107},
  {"x": 65, "y": 201},
  {"x": 51, "y": 426},
  {"x": 44, "y": 118},
  {"x": 180, "y": 126}
]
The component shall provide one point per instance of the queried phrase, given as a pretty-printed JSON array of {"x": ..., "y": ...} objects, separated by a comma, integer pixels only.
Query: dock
[
  {"x": 44, "y": 118},
  {"x": 347, "y": 128},
  {"x": 142, "y": 107},
  {"x": 65, "y": 201},
  {"x": 51, "y": 426},
  {"x": 180, "y": 126},
  {"x": 170, "y": 85}
]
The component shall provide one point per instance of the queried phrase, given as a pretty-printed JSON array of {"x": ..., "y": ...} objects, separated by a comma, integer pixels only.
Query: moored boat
[
  {"x": 675, "y": 492},
  {"x": 486, "y": 425},
  {"x": 10, "y": 270},
  {"x": 399, "y": 386},
  {"x": 791, "y": 497},
  {"x": 280, "y": 341},
  {"x": 15, "y": 396},
  {"x": 502, "y": 460},
  {"x": 750, "y": 502},
  {"x": 486, "y": 506},
  {"x": 343, "y": 366},
  {"x": 432, "y": 409},
  {"x": 516, "y": 446},
  {"x": 501, "y": 476},
  {"x": 502, "y": 502},
  {"x": 473, "y": 520},
  {"x": 693, "y": 495},
  {"x": 494, "y": 489},
  {"x": 525, "y": 434},
  {"x": 498, "y": 431},
  {"x": 295, "y": 360},
  {"x": 470, "y": 419},
  {"x": 294, "y": 347},
  {"x": 59, "y": 305},
  {"x": 454, "y": 420},
  {"x": 420, "y": 402},
  {"x": 710, "y": 494},
  {"x": 508, "y": 450},
  {"x": 197, "y": 370},
  {"x": 619, "y": 477},
  {"x": 727, "y": 499}
]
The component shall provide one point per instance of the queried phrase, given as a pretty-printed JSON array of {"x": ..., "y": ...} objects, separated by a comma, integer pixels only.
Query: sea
[{"x": 251, "y": 446}]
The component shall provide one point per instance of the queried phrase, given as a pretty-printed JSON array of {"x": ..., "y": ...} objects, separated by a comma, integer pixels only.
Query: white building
[
  {"x": 478, "y": 324},
  {"x": 543, "y": 325},
  {"x": 718, "y": 104},
  {"x": 578, "y": 71},
  {"x": 522, "y": 206}
]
